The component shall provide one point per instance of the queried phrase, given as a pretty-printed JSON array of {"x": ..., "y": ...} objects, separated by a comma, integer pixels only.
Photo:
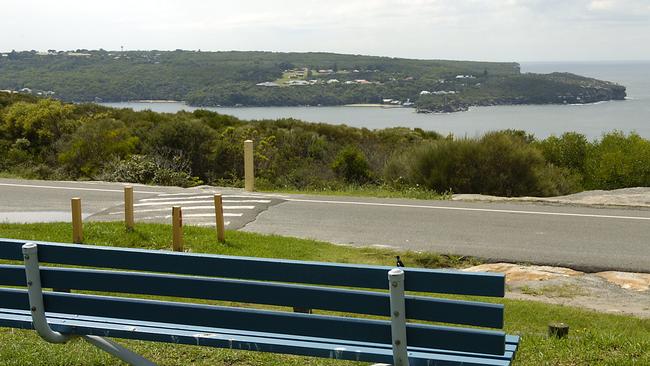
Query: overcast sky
[{"x": 508, "y": 30}]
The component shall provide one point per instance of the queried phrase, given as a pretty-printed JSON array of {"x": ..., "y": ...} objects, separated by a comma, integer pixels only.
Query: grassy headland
[{"x": 286, "y": 79}]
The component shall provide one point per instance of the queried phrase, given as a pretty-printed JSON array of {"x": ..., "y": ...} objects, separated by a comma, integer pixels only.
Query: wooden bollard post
[
  {"x": 128, "y": 207},
  {"x": 558, "y": 330},
  {"x": 177, "y": 229},
  {"x": 249, "y": 174},
  {"x": 77, "y": 225},
  {"x": 218, "y": 214}
]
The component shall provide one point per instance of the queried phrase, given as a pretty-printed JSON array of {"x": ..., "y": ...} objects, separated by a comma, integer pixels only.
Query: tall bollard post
[
  {"x": 218, "y": 214},
  {"x": 128, "y": 207},
  {"x": 77, "y": 225},
  {"x": 249, "y": 174},
  {"x": 177, "y": 229}
]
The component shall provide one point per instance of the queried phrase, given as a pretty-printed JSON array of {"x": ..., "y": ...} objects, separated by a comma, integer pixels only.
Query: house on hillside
[{"x": 298, "y": 82}]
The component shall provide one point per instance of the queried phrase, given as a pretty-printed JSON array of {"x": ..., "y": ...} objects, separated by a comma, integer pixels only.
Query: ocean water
[{"x": 592, "y": 120}]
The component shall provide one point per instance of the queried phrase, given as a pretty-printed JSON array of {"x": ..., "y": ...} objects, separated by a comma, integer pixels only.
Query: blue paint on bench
[
  {"x": 258, "y": 281},
  {"x": 317, "y": 273}
]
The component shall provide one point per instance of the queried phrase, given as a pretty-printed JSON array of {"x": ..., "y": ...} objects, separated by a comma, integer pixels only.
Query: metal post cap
[{"x": 29, "y": 248}]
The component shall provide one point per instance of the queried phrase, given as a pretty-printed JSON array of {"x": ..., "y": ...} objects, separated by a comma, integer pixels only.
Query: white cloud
[{"x": 468, "y": 29}]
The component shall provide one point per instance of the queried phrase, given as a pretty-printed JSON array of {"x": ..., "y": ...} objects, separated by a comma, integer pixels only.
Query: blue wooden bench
[{"x": 386, "y": 337}]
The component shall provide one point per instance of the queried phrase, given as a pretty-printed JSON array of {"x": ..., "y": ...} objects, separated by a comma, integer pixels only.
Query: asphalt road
[
  {"x": 49, "y": 201},
  {"x": 586, "y": 238}
]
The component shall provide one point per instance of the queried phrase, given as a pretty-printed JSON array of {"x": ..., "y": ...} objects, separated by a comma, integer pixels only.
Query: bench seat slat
[
  {"x": 256, "y": 342},
  {"x": 512, "y": 342},
  {"x": 310, "y": 297},
  {"x": 334, "y": 274},
  {"x": 368, "y": 330}
]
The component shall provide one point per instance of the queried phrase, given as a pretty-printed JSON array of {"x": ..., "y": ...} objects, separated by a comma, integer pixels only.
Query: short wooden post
[
  {"x": 218, "y": 214},
  {"x": 249, "y": 174},
  {"x": 177, "y": 229},
  {"x": 128, "y": 207},
  {"x": 77, "y": 225},
  {"x": 558, "y": 330}
]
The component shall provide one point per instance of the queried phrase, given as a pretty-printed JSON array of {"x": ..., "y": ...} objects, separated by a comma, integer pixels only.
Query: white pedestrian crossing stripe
[
  {"x": 198, "y": 208},
  {"x": 192, "y": 198},
  {"x": 175, "y": 203},
  {"x": 185, "y": 209},
  {"x": 191, "y": 215}
]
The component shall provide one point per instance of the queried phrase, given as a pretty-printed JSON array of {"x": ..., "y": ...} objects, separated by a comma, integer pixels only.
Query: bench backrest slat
[
  {"x": 333, "y": 274},
  {"x": 310, "y": 297},
  {"x": 363, "y": 330}
]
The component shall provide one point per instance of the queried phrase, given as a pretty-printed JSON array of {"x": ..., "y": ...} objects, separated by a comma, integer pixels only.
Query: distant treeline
[
  {"x": 230, "y": 78},
  {"x": 48, "y": 139}
]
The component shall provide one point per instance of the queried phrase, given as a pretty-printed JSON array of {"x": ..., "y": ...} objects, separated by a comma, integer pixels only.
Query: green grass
[
  {"x": 594, "y": 339},
  {"x": 379, "y": 191},
  {"x": 565, "y": 291}
]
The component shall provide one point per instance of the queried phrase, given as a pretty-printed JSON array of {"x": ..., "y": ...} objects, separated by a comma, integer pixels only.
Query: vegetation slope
[
  {"x": 49, "y": 139},
  {"x": 232, "y": 78}
]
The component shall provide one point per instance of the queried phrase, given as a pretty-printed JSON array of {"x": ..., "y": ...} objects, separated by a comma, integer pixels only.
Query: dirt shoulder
[{"x": 626, "y": 197}]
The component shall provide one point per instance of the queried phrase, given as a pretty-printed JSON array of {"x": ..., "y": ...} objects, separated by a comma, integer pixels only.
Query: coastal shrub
[
  {"x": 567, "y": 151},
  {"x": 508, "y": 165},
  {"x": 618, "y": 161},
  {"x": 193, "y": 138},
  {"x": 42, "y": 123},
  {"x": 146, "y": 169},
  {"x": 499, "y": 163},
  {"x": 445, "y": 165},
  {"x": 94, "y": 144},
  {"x": 351, "y": 164}
]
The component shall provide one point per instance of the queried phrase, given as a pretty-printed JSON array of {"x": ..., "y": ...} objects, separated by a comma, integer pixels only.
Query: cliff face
[{"x": 555, "y": 88}]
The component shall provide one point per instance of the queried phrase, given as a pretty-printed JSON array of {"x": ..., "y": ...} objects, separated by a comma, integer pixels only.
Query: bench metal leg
[
  {"x": 398, "y": 316},
  {"x": 118, "y": 351},
  {"x": 35, "y": 294}
]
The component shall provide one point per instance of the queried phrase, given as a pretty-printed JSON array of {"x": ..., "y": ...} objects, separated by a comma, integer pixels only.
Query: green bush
[
  {"x": 500, "y": 163},
  {"x": 509, "y": 166},
  {"x": 351, "y": 164},
  {"x": 94, "y": 144},
  {"x": 618, "y": 161},
  {"x": 151, "y": 170}
]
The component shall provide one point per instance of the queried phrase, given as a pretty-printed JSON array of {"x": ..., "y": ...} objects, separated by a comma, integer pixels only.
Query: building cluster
[
  {"x": 314, "y": 82},
  {"x": 438, "y": 92},
  {"x": 397, "y": 102},
  {"x": 40, "y": 93}
]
